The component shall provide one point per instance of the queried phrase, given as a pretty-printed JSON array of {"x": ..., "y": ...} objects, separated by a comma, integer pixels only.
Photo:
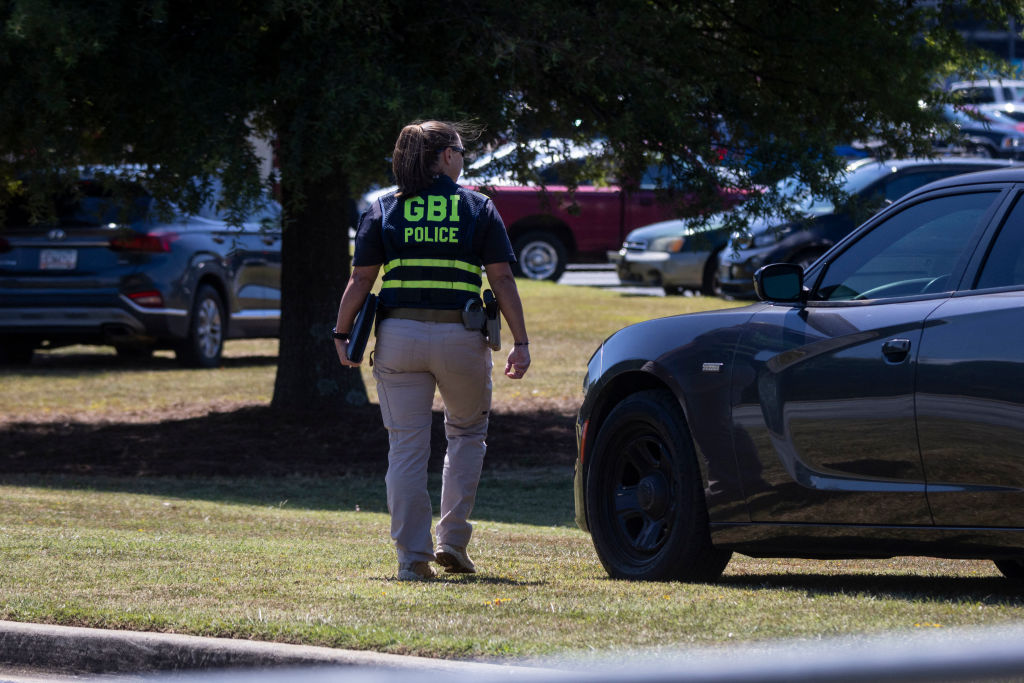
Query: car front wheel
[
  {"x": 205, "y": 340},
  {"x": 540, "y": 256},
  {"x": 645, "y": 498}
]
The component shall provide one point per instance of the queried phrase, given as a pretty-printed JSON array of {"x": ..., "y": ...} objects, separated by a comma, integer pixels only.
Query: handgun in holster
[{"x": 492, "y": 329}]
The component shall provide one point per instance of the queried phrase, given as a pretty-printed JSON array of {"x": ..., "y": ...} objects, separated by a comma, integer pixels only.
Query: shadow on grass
[
  {"x": 259, "y": 456},
  {"x": 987, "y": 590},
  {"x": 80, "y": 364},
  {"x": 478, "y": 579}
]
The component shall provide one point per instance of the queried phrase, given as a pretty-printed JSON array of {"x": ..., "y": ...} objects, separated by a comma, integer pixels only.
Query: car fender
[
  {"x": 697, "y": 350},
  {"x": 207, "y": 268},
  {"x": 543, "y": 223}
]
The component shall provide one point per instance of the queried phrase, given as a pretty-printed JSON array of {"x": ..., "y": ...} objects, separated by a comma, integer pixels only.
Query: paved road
[{"x": 603, "y": 275}]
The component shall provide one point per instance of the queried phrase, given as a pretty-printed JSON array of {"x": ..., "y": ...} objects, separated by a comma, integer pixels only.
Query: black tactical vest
[{"x": 428, "y": 246}]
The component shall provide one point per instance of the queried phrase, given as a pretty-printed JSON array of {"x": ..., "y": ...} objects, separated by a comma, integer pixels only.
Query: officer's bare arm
[
  {"x": 500, "y": 277},
  {"x": 359, "y": 285},
  {"x": 502, "y": 282}
]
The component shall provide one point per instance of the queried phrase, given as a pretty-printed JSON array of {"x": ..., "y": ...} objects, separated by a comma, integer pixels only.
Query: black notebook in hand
[{"x": 361, "y": 329}]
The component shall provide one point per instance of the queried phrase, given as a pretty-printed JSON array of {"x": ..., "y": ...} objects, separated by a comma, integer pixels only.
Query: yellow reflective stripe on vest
[
  {"x": 433, "y": 263},
  {"x": 430, "y": 284}
]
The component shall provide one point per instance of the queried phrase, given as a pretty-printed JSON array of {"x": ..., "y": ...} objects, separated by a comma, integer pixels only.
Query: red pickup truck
[{"x": 549, "y": 227}]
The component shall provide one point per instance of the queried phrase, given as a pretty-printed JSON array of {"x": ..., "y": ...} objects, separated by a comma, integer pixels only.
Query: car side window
[
  {"x": 912, "y": 252},
  {"x": 1004, "y": 264}
]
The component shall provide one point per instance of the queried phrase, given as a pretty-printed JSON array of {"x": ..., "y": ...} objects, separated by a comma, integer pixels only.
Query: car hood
[{"x": 661, "y": 229}]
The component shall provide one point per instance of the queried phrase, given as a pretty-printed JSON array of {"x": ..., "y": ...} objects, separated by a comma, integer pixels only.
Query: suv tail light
[
  {"x": 153, "y": 242},
  {"x": 148, "y": 299}
]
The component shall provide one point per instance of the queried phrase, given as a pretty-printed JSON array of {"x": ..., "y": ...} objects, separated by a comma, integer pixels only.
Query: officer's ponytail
[{"x": 417, "y": 150}]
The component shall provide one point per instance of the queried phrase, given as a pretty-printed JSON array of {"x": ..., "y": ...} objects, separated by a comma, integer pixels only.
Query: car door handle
[{"x": 896, "y": 350}]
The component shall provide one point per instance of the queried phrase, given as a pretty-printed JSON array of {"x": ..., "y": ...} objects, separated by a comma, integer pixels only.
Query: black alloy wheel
[{"x": 644, "y": 495}]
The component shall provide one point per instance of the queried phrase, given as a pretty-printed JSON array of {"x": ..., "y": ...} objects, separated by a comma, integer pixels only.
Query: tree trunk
[{"x": 315, "y": 266}]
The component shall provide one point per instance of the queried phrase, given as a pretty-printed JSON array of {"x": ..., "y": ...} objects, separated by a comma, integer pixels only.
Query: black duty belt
[{"x": 430, "y": 315}]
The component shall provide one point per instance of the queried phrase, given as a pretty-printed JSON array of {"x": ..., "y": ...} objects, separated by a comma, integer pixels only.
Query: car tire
[
  {"x": 14, "y": 352},
  {"x": 644, "y": 495},
  {"x": 539, "y": 256},
  {"x": 711, "y": 284},
  {"x": 205, "y": 342},
  {"x": 982, "y": 151},
  {"x": 1012, "y": 568}
]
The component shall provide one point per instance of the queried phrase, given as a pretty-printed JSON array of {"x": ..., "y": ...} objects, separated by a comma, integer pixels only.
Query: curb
[{"x": 91, "y": 650}]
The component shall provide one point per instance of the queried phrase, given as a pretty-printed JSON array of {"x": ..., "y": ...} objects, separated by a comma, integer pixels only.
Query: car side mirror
[{"x": 782, "y": 282}]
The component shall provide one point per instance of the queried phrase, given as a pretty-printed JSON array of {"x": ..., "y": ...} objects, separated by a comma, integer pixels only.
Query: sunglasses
[{"x": 460, "y": 150}]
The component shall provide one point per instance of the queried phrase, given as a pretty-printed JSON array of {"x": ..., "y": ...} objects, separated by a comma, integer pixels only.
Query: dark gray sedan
[
  {"x": 122, "y": 271},
  {"x": 871, "y": 406}
]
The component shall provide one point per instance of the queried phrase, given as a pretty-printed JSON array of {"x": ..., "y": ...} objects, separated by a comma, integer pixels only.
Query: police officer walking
[{"x": 434, "y": 240}]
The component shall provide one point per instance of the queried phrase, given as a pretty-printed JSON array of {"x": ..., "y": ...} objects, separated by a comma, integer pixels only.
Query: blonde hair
[{"x": 418, "y": 148}]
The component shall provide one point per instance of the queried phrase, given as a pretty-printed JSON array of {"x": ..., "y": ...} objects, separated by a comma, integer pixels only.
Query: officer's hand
[
  {"x": 518, "y": 362},
  {"x": 342, "y": 348}
]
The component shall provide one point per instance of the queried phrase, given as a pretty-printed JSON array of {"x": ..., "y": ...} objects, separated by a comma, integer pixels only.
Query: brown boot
[
  {"x": 455, "y": 559},
  {"x": 415, "y": 571}
]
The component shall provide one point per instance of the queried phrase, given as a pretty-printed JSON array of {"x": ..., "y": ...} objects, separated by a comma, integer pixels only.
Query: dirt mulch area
[{"x": 258, "y": 441}]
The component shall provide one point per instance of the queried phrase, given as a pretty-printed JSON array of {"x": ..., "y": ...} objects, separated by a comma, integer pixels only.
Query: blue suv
[{"x": 115, "y": 267}]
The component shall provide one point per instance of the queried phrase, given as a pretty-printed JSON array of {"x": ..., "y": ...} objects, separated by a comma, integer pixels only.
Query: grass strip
[{"x": 308, "y": 560}]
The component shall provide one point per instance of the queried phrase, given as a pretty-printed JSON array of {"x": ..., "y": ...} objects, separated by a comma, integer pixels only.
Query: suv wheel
[
  {"x": 205, "y": 340},
  {"x": 540, "y": 256},
  {"x": 645, "y": 498}
]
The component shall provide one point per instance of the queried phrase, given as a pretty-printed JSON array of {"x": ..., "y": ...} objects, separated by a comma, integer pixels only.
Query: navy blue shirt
[{"x": 490, "y": 240}]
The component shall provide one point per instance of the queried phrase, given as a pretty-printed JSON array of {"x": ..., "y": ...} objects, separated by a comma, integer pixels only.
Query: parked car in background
[
  {"x": 872, "y": 406},
  {"x": 1014, "y": 111},
  {"x": 871, "y": 184},
  {"x": 984, "y": 133},
  {"x": 677, "y": 255},
  {"x": 115, "y": 268},
  {"x": 550, "y": 226},
  {"x": 984, "y": 91}
]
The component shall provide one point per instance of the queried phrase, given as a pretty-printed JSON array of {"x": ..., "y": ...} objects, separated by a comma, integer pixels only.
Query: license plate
[{"x": 58, "y": 259}]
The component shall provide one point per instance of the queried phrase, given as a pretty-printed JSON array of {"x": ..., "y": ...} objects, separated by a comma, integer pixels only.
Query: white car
[{"x": 987, "y": 91}]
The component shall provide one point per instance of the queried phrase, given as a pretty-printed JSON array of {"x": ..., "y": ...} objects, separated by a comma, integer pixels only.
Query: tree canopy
[{"x": 181, "y": 86}]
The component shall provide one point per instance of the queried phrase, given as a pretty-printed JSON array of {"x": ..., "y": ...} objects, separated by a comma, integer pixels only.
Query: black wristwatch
[{"x": 343, "y": 336}]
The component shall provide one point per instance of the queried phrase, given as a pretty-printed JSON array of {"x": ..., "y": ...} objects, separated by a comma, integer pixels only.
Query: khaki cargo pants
[{"x": 410, "y": 359}]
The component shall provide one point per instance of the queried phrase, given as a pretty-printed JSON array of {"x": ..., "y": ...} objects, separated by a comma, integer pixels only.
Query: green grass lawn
[
  {"x": 309, "y": 560},
  {"x": 566, "y": 325}
]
